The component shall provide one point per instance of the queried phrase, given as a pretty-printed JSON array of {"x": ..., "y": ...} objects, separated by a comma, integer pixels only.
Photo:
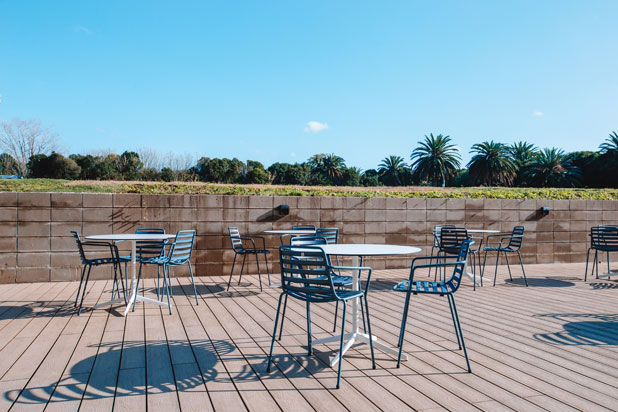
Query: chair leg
[
  {"x": 430, "y": 261},
  {"x": 473, "y": 271},
  {"x": 267, "y": 269},
  {"x": 139, "y": 277},
  {"x": 242, "y": 267},
  {"x": 272, "y": 342},
  {"x": 496, "y": 270},
  {"x": 608, "y": 270},
  {"x": 158, "y": 287},
  {"x": 124, "y": 290},
  {"x": 115, "y": 282},
  {"x": 463, "y": 344},
  {"x": 506, "y": 257},
  {"x": 402, "y": 330},
  {"x": 335, "y": 321},
  {"x": 79, "y": 310},
  {"x": 285, "y": 305},
  {"x": 257, "y": 261},
  {"x": 81, "y": 280},
  {"x": 522, "y": 268},
  {"x": 596, "y": 263},
  {"x": 450, "y": 305},
  {"x": 193, "y": 281},
  {"x": 373, "y": 358},
  {"x": 345, "y": 306},
  {"x": 309, "y": 346},
  {"x": 231, "y": 272},
  {"x": 169, "y": 288},
  {"x": 484, "y": 262},
  {"x": 587, "y": 258}
]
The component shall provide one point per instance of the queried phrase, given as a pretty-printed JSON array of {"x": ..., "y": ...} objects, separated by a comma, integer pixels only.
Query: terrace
[{"x": 550, "y": 346}]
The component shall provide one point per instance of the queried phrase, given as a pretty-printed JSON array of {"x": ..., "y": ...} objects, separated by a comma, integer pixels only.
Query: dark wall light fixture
[
  {"x": 283, "y": 210},
  {"x": 545, "y": 211}
]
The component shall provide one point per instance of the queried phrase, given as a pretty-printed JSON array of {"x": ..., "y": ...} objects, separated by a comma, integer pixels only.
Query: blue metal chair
[
  {"x": 307, "y": 275},
  {"x": 111, "y": 259},
  {"x": 443, "y": 288},
  {"x": 180, "y": 251},
  {"x": 451, "y": 239},
  {"x": 603, "y": 238},
  {"x": 340, "y": 281},
  {"x": 515, "y": 239},
  {"x": 436, "y": 241},
  {"x": 303, "y": 227},
  {"x": 145, "y": 250},
  {"x": 240, "y": 248},
  {"x": 331, "y": 234}
]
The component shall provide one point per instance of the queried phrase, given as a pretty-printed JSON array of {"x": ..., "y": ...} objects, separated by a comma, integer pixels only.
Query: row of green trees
[{"x": 436, "y": 162}]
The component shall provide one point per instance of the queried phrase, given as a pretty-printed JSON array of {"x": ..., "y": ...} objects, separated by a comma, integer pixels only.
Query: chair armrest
[
  {"x": 249, "y": 238},
  {"x": 360, "y": 269}
]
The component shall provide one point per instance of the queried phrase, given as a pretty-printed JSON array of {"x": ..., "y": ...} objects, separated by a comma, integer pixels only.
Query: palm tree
[
  {"x": 552, "y": 168},
  {"x": 390, "y": 170},
  {"x": 327, "y": 168},
  {"x": 610, "y": 145},
  {"x": 436, "y": 159},
  {"x": 522, "y": 153},
  {"x": 491, "y": 165}
]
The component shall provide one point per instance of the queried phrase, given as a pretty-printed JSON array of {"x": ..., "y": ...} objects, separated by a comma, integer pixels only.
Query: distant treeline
[{"x": 435, "y": 162}]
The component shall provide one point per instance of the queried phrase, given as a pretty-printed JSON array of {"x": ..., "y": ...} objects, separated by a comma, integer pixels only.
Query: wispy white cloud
[
  {"x": 315, "y": 127},
  {"x": 537, "y": 113},
  {"x": 82, "y": 29},
  {"x": 293, "y": 154}
]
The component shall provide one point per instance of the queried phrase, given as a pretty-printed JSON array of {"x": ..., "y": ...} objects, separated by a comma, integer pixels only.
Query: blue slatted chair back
[
  {"x": 460, "y": 267},
  {"x": 306, "y": 274},
  {"x": 146, "y": 249},
  {"x": 307, "y": 240},
  {"x": 604, "y": 237},
  {"x": 451, "y": 239},
  {"x": 80, "y": 248},
  {"x": 331, "y": 234},
  {"x": 235, "y": 239},
  {"x": 182, "y": 248},
  {"x": 517, "y": 239},
  {"x": 303, "y": 227}
]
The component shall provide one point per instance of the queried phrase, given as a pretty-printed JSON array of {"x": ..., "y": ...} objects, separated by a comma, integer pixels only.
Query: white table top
[
  {"x": 350, "y": 249},
  {"x": 483, "y": 231},
  {"x": 131, "y": 236},
  {"x": 290, "y": 232}
]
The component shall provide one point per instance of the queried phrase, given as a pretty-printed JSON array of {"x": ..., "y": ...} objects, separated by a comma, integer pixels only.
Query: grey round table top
[
  {"x": 290, "y": 232},
  {"x": 350, "y": 249},
  {"x": 131, "y": 236},
  {"x": 483, "y": 231}
]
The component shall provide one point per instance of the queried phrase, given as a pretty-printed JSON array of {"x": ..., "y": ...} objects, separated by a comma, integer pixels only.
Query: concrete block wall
[{"x": 36, "y": 245}]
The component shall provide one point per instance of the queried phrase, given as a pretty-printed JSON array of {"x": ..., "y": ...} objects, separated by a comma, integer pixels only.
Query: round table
[
  {"x": 290, "y": 232},
  {"x": 357, "y": 251},
  {"x": 133, "y": 238},
  {"x": 482, "y": 232}
]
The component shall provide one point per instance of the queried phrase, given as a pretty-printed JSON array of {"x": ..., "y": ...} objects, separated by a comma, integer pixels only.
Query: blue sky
[{"x": 244, "y": 78}]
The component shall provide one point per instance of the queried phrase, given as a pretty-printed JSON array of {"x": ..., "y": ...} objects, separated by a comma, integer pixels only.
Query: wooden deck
[{"x": 551, "y": 346}]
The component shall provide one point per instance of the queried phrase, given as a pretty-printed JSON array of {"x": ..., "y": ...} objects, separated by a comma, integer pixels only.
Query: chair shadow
[
  {"x": 604, "y": 285},
  {"x": 545, "y": 282},
  {"x": 178, "y": 290},
  {"x": 97, "y": 371},
  {"x": 43, "y": 309},
  {"x": 594, "y": 330}
]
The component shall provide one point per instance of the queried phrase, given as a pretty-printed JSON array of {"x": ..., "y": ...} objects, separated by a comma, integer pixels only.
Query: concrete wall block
[
  {"x": 33, "y": 259},
  {"x": 65, "y": 274},
  {"x": 396, "y": 203},
  {"x": 184, "y": 201},
  {"x": 210, "y": 215},
  {"x": 66, "y": 259},
  {"x": 8, "y": 214},
  {"x": 27, "y": 274},
  {"x": 33, "y": 200},
  {"x": 455, "y": 216},
  {"x": 155, "y": 214},
  {"x": 433, "y": 204},
  {"x": 63, "y": 244},
  {"x": 375, "y": 227},
  {"x": 104, "y": 228},
  {"x": 183, "y": 214},
  {"x": 355, "y": 215},
  {"x": 8, "y": 275},
  {"x": 30, "y": 214},
  {"x": 8, "y": 260},
  {"x": 396, "y": 227},
  {"x": 396, "y": 215},
  {"x": 455, "y": 204},
  {"x": 126, "y": 200},
  {"x": 8, "y": 229},
  {"x": 33, "y": 244},
  {"x": 438, "y": 215},
  {"x": 8, "y": 199},
  {"x": 475, "y": 204},
  {"x": 331, "y": 215},
  {"x": 98, "y": 214},
  {"x": 8, "y": 244},
  {"x": 66, "y": 200},
  {"x": 61, "y": 214},
  {"x": 354, "y": 203},
  {"x": 416, "y": 215},
  {"x": 308, "y": 216},
  {"x": 378, "y": 203},
  {"x": 97, "y": 200},
  {"x": 33, "y": 229},
  {"x": 416, "y": 204},
  {"x": 210, "y": 201}
]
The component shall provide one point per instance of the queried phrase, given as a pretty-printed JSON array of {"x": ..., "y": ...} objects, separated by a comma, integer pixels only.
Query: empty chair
[
  {"x": 145, "y": 249},
  {"x": 307, "y": 275},
  {"x": 303, "y": 227},
  {"x": 98, "y": 254},
  {"x": 180, "y": 251},
  {"x": 509, "y": 243},
  {"x": 446, "y": 288},
  {"x": 450, "y": 241},
  {"x": 331, "y": 234},
  {"x": 245, "y": 245},
  {"x": 603, "y": 238}
]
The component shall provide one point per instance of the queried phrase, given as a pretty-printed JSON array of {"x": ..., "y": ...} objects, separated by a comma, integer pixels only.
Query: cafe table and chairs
[
  {"x": 133, "y": 239},
  {"x": 358, "y": 252}
]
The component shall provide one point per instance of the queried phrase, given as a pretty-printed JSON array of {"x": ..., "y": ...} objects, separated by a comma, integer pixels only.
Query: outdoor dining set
[{"x": 308, "y": 274}]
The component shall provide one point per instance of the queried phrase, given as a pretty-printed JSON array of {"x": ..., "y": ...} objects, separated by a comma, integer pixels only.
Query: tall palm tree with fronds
[
  {"x": 435, "y": 160},
  {"x": 327, "y": 168},
  {"x": 491, "y": 165},
  {"x": 552, "y": 168},
  {"x": 610, "y": 145},
  {"x": 522, "y": 153},
  {"x": 391, "y": 169}
]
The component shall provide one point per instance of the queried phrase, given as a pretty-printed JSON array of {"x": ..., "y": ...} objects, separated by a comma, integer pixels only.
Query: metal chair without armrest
[
  {"x": 303, "y": 227},
  {"x": 436, "y": 241},
  {"x": 515, "y": 239},
  {"x": 443, "y": 288},
  {"x": 451, "y": 239},
  {"x": 87, "y": 262},
  {"x": 307, "y": 275},
  {"x": 180, "y": 251},
  {"x": 603, "y": 238},
  {"x": 151, "y": 249},
  {"x": 239, "y": 246}
]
